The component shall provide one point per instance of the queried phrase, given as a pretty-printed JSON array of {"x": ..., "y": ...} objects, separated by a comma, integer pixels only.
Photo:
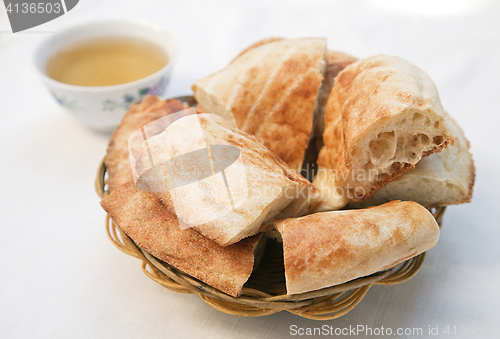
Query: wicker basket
[{"x": 265, "y": 291}]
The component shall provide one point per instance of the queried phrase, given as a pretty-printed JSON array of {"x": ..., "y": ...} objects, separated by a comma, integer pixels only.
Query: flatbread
[
  {"x": 382, "y": 116},
  {"x": 441, "y": 179},
  {"x": 154, "y": 229},
  {"x": 330, "y": 248},
  {"x": 117, "y": 157},
  {"x": 269, "y": 91},
  {"x": 225, "y": 199}
]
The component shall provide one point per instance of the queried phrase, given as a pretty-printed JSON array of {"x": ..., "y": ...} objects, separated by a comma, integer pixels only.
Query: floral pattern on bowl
[
  {"x": 69, "y": 104},
  {"x": 129, "y": 99}
]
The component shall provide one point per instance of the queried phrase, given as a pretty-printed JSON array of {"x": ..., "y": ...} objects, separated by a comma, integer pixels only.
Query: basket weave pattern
[{"x": 265, "y": 292}]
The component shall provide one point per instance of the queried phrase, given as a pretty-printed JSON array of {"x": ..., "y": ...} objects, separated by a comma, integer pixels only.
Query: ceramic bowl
[{"x": 103, "y": 107}]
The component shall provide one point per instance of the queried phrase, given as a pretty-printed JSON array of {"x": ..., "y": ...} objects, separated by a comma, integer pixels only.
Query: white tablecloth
[{"x": 61, "y": 277}]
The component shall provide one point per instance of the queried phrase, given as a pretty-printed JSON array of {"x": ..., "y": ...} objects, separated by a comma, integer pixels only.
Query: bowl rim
[{"x": 80, "y": 27}]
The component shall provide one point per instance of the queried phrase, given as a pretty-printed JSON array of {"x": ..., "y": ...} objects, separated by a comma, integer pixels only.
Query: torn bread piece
[
  {"x": 117, "y": 157},
  {"x": 382, "y": 116},
  {"x": 441, "y": 179},
  {"x": 154, "y": 229},
  {"x": 330, "y": 248},
  {"x": 218, "y": 179},
  {"x": 270, "y": 91}
]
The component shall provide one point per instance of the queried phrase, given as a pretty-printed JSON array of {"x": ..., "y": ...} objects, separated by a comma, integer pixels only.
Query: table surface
[{"x": 62, "y": 278}]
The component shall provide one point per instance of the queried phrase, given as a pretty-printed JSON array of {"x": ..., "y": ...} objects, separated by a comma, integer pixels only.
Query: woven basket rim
[{"x": 327, "y": 303}]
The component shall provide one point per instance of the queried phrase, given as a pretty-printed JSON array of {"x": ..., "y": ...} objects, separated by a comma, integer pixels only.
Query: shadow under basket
[{"x": 265, "y": 291}]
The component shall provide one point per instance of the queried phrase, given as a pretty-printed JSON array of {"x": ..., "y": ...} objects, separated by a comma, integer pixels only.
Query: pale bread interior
[
  {"x": 441, "y": 179},
  {"x": 399, "y": 143}
]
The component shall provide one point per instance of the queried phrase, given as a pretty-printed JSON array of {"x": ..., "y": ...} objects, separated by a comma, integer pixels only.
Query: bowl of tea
[{"x": 96, "y": 71}]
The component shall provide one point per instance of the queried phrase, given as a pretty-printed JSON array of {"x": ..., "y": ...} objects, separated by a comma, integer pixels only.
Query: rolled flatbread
[
  {"x": 330, "y": 248},
  {"x": 154, "y": 229},
  {"x": 382, "y": 116},
  {"x": 269, "y": 91},
  {"x": 441, "y": 179},
  {"x": 218, "y": 179}
]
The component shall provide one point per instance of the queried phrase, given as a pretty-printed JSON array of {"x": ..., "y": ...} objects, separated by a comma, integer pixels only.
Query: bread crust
[
  {"x": 258, "y": 44},
  {"x": 154, "y": 229},
  {"x": 472, "y": 169},
  {"x": 117, "y": 155}
]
